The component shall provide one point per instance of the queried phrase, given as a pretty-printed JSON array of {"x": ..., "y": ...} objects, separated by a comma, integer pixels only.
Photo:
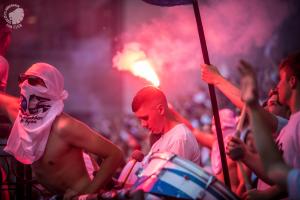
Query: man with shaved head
[
  {"x": 150, "y": 106},
  {"x": 51, "y": 141},
  {"x": 167, "y": 133}
]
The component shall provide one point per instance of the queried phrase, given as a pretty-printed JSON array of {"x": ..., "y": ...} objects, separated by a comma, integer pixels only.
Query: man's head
[
  {"x": 289, "y": 74},
  {"x": 40, "y": 85},
  {"x": 47, "y": 77},
  {"x": 228, "y": 121},
  {"x": 41, "y": 102},
  {"x": 151, "y": 107}
]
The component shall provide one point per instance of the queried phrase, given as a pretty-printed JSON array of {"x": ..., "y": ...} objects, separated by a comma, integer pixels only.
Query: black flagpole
[{"x": 212, "y": 95}]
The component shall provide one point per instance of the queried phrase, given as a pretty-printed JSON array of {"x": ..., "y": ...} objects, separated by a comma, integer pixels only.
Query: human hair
[
  {"x": 148, "y": 95},
  {"x": 291, "y": 65}
]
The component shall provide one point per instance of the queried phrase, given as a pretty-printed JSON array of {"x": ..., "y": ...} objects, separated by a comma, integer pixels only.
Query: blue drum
[{"x": 171, "y": 176}]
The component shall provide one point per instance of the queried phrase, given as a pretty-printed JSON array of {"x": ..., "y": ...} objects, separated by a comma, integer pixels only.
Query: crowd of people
[{"x": 69, "y": 159}]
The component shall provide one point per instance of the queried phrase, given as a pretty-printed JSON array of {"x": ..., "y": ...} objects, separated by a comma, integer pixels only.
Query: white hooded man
[{"x": 52, "y": 141}]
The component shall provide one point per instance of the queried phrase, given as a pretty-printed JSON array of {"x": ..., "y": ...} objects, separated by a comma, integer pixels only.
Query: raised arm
[
  {"x": 211, "y": 75},
  {"x": 9, "y": 106},
  {"x": 275, "y": 167},
  {"x": 80, "y": 135}
]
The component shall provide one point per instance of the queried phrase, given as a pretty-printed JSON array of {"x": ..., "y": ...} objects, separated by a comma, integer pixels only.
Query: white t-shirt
[
  {"x": 288, "y": 141},
  {"x": 180, "y": 141},
  {"x": 282, "y": 122}
]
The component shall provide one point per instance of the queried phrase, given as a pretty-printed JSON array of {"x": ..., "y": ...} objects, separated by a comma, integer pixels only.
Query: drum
[
  {"x": 171, "y": 176},
  {"x": 129, "y": 173}
]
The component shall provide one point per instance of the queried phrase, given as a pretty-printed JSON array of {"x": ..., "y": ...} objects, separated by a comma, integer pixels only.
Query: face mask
[{"x": 33, "y": 99}]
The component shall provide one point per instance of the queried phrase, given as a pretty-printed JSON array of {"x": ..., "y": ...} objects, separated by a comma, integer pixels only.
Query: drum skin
[{"x": 132, "y": 175}]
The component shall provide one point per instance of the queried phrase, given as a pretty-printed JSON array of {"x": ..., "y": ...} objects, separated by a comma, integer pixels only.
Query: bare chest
[{"x": 60, "y": 166}]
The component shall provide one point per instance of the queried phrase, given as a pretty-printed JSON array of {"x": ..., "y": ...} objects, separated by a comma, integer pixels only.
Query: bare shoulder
[
  {"x": 65, "y": 124},
  {"x": 77, "y": 134}
]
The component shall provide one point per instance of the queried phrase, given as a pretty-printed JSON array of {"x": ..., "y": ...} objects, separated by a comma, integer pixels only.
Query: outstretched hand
[
  {"x": 209, "y": 74},
  {"x": 249, "y": 90}
]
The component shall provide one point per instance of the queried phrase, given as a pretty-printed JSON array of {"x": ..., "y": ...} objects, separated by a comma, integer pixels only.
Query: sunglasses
[{"x": 32, "y": 80}]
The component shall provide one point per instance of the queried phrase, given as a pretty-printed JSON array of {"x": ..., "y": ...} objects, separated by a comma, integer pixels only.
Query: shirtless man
[{"x": 52, "y": 141}]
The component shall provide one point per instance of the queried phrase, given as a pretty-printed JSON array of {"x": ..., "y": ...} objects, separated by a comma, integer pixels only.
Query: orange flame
[
  {"x": 143, "y": 68},
  {"x": 134, "y": 60}
]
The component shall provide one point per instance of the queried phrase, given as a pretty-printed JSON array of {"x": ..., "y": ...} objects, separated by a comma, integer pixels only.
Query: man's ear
[
  {"x": 161, "y": 109},
  {"x": 293, "y": 82}
]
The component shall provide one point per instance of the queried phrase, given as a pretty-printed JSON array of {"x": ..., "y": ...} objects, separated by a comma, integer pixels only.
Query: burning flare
[
  {"x": 134, "y": 60},
  {"x": 143, "y": 68}
]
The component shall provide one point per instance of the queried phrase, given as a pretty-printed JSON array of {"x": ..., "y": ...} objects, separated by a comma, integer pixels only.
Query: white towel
[{"x": 39, "y": 107}]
